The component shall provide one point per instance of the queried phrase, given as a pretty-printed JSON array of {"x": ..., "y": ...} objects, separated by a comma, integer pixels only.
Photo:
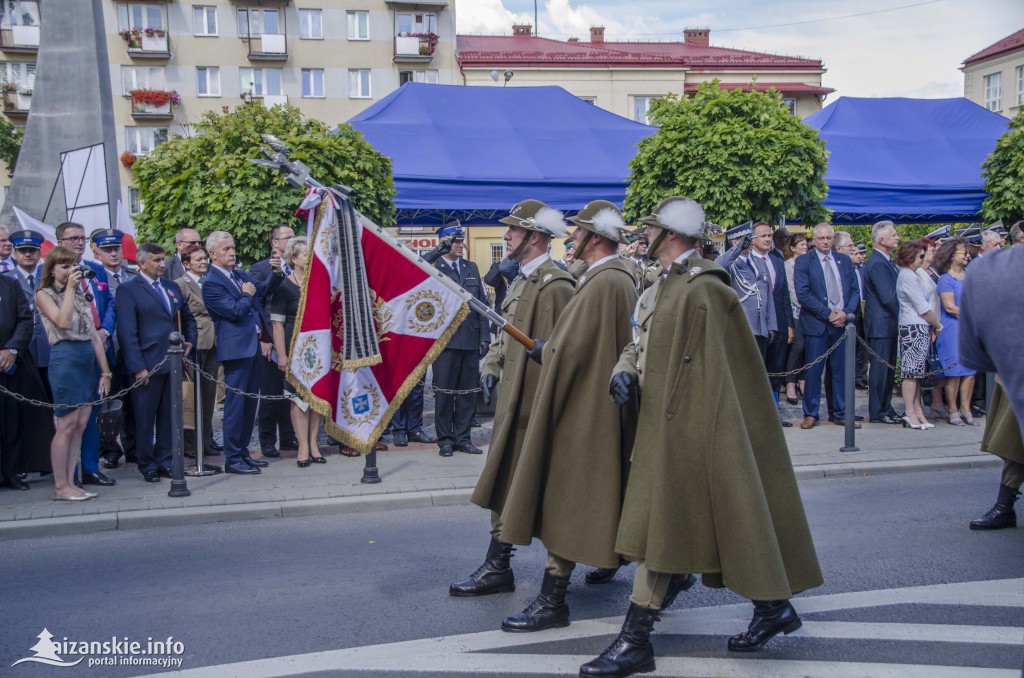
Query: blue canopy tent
[
  {"x": 473, "y": 152},
  {"x": 908, "y": 160}
]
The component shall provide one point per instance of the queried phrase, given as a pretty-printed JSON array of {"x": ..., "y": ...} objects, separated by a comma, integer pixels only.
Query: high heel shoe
[
  {"x": 955, "y": 420},
  {"x": 906, "y": 422},
  {"x": 317, "y": 460},
  {"x": 968, "y": 420},
  {"x": 303, "y": 463}
]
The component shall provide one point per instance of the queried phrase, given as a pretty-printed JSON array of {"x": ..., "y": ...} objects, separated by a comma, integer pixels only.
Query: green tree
[
  {"x": 1004, "y": 176},
  {"x": 741, "y": 155},
  {"x": 10, "y": 143},
  {"x": 205, "y": 180}
]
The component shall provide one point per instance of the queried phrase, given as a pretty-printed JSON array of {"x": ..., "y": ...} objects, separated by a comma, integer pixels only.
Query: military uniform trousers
[{"x": 455, "y": 370}]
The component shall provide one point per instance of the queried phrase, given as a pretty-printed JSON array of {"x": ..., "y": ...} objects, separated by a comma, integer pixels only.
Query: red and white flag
[
  {"x": 352, "y": 367},
  {"x": 30, "y": 223}
]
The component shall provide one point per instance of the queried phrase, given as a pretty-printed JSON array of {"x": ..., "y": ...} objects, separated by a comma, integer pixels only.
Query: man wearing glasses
[{"x": 184, "y": 238}]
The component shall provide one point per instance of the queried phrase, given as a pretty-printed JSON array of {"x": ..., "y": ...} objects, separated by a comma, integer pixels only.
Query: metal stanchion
[
  {"x": 370, "y": 474},
  {"x": 179, "y": 486},
  {"x": 850, "y": 369},
  {"x": 200, "y": 469}
]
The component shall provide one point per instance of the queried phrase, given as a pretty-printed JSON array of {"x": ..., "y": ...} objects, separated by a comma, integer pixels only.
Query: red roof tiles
[
  {"x": 784, "y": 87},
  {"x": 1010, "y": 43}
]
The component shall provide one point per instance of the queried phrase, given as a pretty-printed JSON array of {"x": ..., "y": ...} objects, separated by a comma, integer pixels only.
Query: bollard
[
  {"x": 370, "y": 474},
  {"x": 850, "y": 386},
  {"x": 200, "y": 469},
  {"x": 179, "y": 486}
]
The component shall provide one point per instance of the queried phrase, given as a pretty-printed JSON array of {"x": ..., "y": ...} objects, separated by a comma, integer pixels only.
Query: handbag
[
  {"x": 933, "y": 369},
  {"x": 108, "y": 420}
]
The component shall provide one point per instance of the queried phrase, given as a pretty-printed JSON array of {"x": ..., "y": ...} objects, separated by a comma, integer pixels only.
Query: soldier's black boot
[
  {"x": 770, "y": 618},
  {"x": 494, "y": 576},
  {"x": 547, "y": 611},
  {"x": 1002, "y": 514},
  {"x": 603, "y": 575},
  {"x": 678, "y": 584},
  {"x": 631, "y": 652}
]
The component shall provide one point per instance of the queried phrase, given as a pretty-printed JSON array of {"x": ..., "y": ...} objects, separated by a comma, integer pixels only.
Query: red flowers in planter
[
  {"x": 128, "y": 159},
  {"x": 155, "y": 97}
]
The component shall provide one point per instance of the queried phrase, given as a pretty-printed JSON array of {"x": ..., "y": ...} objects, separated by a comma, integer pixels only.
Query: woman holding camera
[{"x": 75, "y": 351}]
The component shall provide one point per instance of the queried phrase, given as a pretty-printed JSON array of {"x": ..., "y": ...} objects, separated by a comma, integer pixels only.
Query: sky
[{"x": 870, "y": 48}]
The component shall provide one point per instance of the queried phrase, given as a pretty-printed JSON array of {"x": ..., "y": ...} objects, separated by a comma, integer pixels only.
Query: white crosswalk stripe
[{"x": 481, "y": 653}]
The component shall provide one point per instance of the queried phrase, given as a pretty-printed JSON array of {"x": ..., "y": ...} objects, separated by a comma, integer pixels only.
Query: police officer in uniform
[
  {"x": 458, "y": 366},
  {"x": 711, "y": 487},
  {"x": 534, "y": 303}
]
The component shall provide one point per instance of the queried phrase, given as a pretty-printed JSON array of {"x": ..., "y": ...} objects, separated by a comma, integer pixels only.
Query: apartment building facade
[{"x": 994, "y": 76}]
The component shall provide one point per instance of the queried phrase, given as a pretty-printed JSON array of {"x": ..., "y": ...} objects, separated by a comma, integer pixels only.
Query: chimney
[
  {"x": 522, "y": 29},
  {"x": 597, "y": 35},
  {"x": 697, "y": 36},
  {"x": 573, "y": 40}
]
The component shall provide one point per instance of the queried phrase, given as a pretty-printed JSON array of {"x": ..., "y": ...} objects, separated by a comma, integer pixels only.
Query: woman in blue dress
[{"x": 951, "y": 260}]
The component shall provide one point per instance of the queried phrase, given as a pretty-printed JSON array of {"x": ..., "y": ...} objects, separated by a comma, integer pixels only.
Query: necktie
[
  {"x": 769, "y": 271},
  {"x": 92, "y": 305},
  {"x": 455, "y": 265},
  {"x": 32, "y": 281},
  {"x": 5, "y": 265},
  {"x": 831, "y": 284},
  {"x": 117, "y": 277},
  {"x": 160, "y": 293}
]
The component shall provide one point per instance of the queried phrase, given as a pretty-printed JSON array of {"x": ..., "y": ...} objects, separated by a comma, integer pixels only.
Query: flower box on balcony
[
  {"x": 154, "y": 43},
  {"x": 24, "y": 101},
  {"x": 25, "y": 36}
]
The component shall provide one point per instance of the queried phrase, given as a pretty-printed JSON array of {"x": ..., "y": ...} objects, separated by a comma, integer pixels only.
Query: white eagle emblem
[
  {"x": 695, "y": 270},
  {"x": 547, "y": 278}
]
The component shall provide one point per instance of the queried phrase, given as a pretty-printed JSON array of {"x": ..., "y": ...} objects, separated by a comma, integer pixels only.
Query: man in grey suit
[
  {"x": 186, "y": 237},
  {"x": 752, "y": 281}
]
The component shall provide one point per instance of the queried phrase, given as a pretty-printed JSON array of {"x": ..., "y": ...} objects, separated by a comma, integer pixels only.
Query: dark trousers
[
  {"x": 795, "y": 357},
  {"x": 861, "y": 370},
  {"x": 239, "y": 410},
  {"x": 762, "y": 347},
  {"x": 152, "y": 414},
  {"x": 109, "y": 448},
  {"x": 813, "y": 348},
  {"x": 207, "y": 363},
  {"x": 455, "y": 369},
  {"x": 775, "y": 356},
  {"x": 881, "y": 377},
  {"x": 275, "y": 415},
  {"x": 408, "y": 417}
]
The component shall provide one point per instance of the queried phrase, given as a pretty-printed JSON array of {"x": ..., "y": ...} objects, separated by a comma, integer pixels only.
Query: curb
[{"x": 200, "y": 515}]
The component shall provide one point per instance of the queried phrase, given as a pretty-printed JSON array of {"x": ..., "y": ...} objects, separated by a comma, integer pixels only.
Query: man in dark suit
[
  {"x": 25, "y": 430},
  {"x": 242, "y": 333},
  {"x": 273, "y": 416},
  {"x": 28, "y": 273},
  {"x": 500, "y": 277},
  {"x": 458, "y": 366},
  {"x": 881, "y": 321},
  {"x": 827, "y": 291},
  {"x": 149, "y": 309},
  {"x": 185, "y": 237}
]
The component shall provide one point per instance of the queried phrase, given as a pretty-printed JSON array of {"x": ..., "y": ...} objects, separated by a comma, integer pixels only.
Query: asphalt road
[{"x": 243, "y": 591}]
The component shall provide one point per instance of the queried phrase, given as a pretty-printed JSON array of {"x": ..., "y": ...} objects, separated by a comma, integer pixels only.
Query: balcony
[
  {"x": 415, "y": 47},
  {"x": 267, "y": 47},
  {"x": 147, "y": 44},
  {"x": 271, "y": 100},
  {"x": 16, "y": 102},
  {"x": 153, "y": 104},
  {"x": 19, "y": 39}
]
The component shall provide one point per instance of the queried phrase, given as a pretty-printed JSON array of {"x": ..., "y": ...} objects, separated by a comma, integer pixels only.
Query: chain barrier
[
  {"x": 446, "y": 391},
  {"x": 892, "y": 367},
  {"x": 257, "y": 396},
  {"x": 113, "y": 396},
  {"x": 811, "y": 364}
]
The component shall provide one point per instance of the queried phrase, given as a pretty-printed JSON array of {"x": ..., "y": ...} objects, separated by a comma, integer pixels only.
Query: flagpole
[{"x": 297, "y": 175}]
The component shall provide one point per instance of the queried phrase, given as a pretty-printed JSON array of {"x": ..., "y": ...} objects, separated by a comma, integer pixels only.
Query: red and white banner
[{"x": 415, "y": 311}]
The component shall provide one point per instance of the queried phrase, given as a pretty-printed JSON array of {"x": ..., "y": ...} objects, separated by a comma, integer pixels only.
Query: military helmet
[
  {"x": 602, "y": 218},
  {"x": 533, "y": 215},
  {"x": 680, "y": 215}
]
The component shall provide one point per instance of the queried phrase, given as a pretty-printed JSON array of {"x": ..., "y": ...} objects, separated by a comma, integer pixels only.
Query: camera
[{"x": 87, "y": 273}]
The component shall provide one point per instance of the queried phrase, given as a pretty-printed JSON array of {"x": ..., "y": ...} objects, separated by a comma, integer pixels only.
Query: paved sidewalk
[{"x": 415, "y": 476}]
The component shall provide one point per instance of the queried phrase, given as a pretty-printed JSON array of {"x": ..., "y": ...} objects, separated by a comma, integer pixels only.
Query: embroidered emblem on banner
[
  {"x": 428, "y": 311},
  {"x": 382, "y": 317},
  {"x": 310, "y": 365},
  {"x": 362, "y": 408}
]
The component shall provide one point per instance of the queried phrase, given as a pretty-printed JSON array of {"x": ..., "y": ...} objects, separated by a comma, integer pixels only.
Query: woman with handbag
[
  {"x": 75, "y": 351},
  {"x": 930, "y": 278},
  {"x": 918, "y": 325}
]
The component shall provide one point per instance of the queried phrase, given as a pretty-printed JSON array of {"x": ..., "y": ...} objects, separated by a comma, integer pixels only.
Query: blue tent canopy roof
[
  {"x": 468, "y": 152},
  {"x": 906, "y": 159}
]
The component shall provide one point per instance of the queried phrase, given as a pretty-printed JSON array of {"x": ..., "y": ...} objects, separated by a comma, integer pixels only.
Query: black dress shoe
[
  {"x": 446, "y": 451},
  {"x": 771, "y": 617},
  {"x": 255, "y": 463},
  {"x": 270, "y": 452},
  {"x": 16, "y": 483},
  {"x": 978, "y": 410},
  {"x": 475, "y": 423},
  {"x": 401, "y": 439},
  {"x": 421, "y": 437},
  {"x": 214, "y": 446},
  {"x": 786, "y": 424},
  {"x": 241, "y": 468},
  {"x": 318, "y": 460},
  {"x": 165, "y": 473},
  {"x": 110, "y": 461},
  {"x": 151, "y": 476},
  {"x": 98, "y": 478},
  {"x": 886, "y": 419},
  {"x": 468, "y": 448}
]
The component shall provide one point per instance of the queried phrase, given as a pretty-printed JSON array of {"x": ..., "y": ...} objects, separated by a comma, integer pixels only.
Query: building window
[
  {"x": 312, "y": 82},
  {"x": 137, "y": 15},
  {"x": 208, "y": 81},
  {"x": 142, "y": 77},
  {"x": 261, "y": 80},
  {"x": 142, "y": 140},
  {"x": 135, "y": 205},
  {"x": 258, "y": 22},
  {"x": 497, "y": 252},
  {"x": 22, "y": 74},
  {"x": 358, "y": 25},
  {"x": 641, "y": 107},
  {"x": 994, "y": 91},
  {"x": 789, "y": 105},
  {"x": 19, "y": 13},
  {"x": 415, "y": 22},
  {"x": 359, "y": 83},
  {"x": 311, "y": 26},
  {"x": 417, "y": 76},
  {"x": 204, "y": 20},
  {"x": 1020, "y": 85}
]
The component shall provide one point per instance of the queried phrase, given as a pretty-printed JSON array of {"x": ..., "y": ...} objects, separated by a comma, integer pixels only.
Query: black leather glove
[
  {"x": 622, "y": 388},
  {"x": 745, "y": 243},
  {"x": 484, "y": 347},
  {"x": 488, "y": 383},
  {"x": 535, "y": 352},
  {"x": 444, "y": 246}
]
